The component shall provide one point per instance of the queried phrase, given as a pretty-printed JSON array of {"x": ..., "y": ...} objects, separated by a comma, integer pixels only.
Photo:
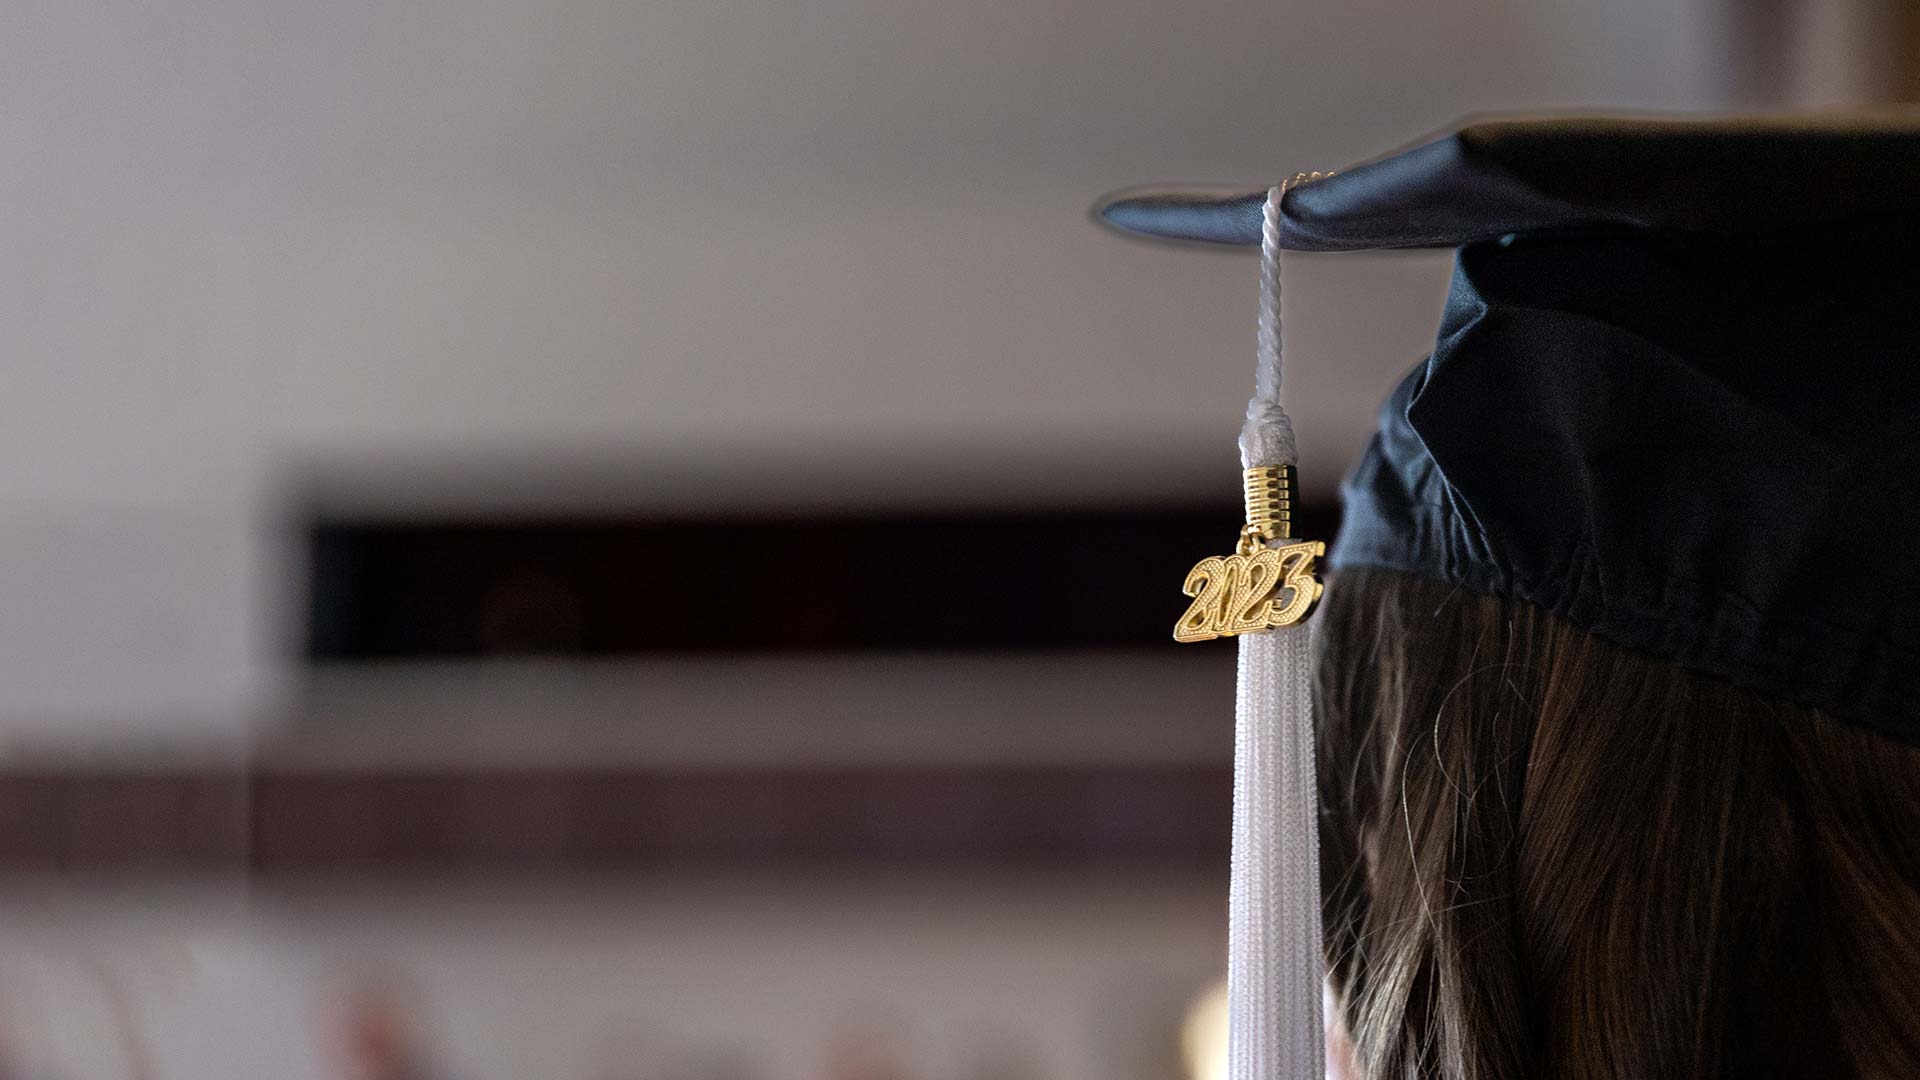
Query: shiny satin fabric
[
  {"x": 1741, "y": 176},
  {"x": 1703, "y": 450}
]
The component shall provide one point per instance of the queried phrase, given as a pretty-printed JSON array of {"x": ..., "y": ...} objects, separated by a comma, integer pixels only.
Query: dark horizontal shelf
[
  {"x": 999, "y": 580},
  {"x": 276, "y": 821}
]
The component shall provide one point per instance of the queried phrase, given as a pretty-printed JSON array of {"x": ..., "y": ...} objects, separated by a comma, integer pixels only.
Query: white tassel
[{"x": 1275, "y": 966}]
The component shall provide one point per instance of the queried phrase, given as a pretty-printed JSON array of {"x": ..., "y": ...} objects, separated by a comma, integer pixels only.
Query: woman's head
[{"x": 1547, "y": 856}]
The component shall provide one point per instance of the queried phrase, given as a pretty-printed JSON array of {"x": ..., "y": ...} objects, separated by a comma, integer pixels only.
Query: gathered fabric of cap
[{"x": 1675, "y": 396}]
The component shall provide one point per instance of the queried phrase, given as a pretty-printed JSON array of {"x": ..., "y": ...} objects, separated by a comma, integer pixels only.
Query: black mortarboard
[{"x": 1675, "y": 396}]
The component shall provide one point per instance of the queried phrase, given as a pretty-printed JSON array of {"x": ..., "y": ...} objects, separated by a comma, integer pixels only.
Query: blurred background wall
[
  {"x": 266, "y": 266},
  {"x": 417, "y": 253}
]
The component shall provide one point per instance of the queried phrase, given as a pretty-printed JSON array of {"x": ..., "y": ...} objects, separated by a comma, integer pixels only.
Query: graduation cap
[{"x": 1674, "y": 399}]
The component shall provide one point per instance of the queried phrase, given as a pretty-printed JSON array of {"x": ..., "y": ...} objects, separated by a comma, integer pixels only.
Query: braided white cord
[
  {"x": 1267, "y": 437},
  {"x": 1274, "y": 961}
]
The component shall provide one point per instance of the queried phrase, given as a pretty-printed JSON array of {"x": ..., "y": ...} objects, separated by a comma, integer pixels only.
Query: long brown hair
[{"x": 1548, "y": 856}]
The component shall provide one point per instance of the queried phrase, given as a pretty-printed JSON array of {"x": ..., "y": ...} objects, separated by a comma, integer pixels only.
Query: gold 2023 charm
[
  {"x": 1238, "y": 594},
  {"x": 1259, "y": 587}
]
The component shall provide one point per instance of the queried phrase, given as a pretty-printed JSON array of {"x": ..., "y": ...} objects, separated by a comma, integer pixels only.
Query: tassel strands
[{"x": 1275, "y": 964}]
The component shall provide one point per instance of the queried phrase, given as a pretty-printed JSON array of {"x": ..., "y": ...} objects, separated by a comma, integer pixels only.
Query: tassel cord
[{"x": 1275, "y": 965}]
